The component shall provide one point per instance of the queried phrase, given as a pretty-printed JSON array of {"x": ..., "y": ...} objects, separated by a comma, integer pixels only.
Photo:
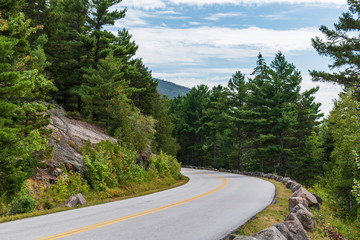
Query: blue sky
[{"x": 192, "y": 42}]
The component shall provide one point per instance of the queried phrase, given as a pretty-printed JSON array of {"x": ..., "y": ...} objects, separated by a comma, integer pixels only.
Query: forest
[{"x": 60, "y": 51}]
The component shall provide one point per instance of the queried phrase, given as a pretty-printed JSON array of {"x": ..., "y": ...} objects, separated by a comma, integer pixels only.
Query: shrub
[{"x": 23, "y": 202}]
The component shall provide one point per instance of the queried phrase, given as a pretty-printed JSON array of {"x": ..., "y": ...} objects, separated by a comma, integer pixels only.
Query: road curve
[{"x": 209, "y": 207}]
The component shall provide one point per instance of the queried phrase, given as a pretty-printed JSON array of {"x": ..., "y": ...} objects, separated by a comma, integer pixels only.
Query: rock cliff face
[{"x": 70, "y": 135}]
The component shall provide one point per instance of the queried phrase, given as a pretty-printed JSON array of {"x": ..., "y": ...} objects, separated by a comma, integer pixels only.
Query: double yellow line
[{"x": 98, "y": 225}]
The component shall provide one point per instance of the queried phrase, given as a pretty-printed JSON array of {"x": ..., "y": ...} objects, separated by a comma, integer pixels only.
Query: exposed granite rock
[
  {"x": 293, "y": 201},
  {"x": 306, "y": 219},
  {"x": 271, "y": 233},
  {"x": 295, "y": 227},
  {"x": 303, "y": 193},
  {"x": 298, "y": 207},
  {"x": 73, "y": 201},
  {"x": 284, "y": 231},
  {"x": 70, "y": 135},
  {"x": 240, "y": 237},
  {"x": 285, "y": 180}
]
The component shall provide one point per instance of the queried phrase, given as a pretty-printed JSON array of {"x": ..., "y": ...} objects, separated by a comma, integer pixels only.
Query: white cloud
[
  {"x": 163, "y": 4},
  {"x": 259, "y": 2},
  {"x": 218, "y": 16},
  {"x": 326, "y": 94},
  {"x": 144, "y": 4},
  {"x": 194, "y": 45},
  {"x": 134, "y": 18}
]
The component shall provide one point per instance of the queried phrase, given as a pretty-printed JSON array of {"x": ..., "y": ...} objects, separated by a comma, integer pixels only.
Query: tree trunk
[
  {"x": 240, "y": 150},
  {"x": 282, "y": 157},
  {"x": 215, "y": 150}
]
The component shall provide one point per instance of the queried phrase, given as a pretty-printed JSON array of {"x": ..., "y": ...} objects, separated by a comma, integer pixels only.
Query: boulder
[
  {"x": 272, "y": 176},
  {"x": 295, "y": 227},
  {"x": 268, "y": 175},
  {"x": 280, "y": 179},
  {"x": 295, "y": 187},
  {"x": 57, "y": 172},
  {"x": 73, "y": 201},
  {"x": 240, "y": 237},
  {"x": 298, "y": 207},
  {"x": 293, "y": 201},
  {"x": 319, "y": 199},
  {"x": 285, "y": 180},
  {"x": 303, "y": 193},
  {"x": 284, "y": 230},
  {"x": 306, "y": 219},
  {"x": 271, "y": 233}
]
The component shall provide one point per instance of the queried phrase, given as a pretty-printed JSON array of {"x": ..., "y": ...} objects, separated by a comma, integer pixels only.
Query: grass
[
  {"x": 275, "y": 213},
  {"x": 324, "y": 218},
  {"x": 131, "y": 191}
]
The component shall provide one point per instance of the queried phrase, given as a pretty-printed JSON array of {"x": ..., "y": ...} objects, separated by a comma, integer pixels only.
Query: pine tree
[
  {"x": 215, "y": 113},
  {"x": 70, "y": 52},
  {"x": 274, "y": 94},
  {"x": 22, "y": 112},
  {"x": 190, "y": 125},
  {"x": 164, "y": 127},
  {"x": 241, "y": 117},
  {"x": 100, "y": 87},
  {"x": 100, "y": 15},
  {"x": 342, "y": 45}
]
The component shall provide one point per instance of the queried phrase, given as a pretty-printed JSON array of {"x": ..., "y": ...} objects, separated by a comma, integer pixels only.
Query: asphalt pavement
[{"x": 209, "y": 207}]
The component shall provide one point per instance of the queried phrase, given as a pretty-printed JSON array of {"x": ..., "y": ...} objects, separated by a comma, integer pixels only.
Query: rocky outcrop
[
  {"x": 74, "y": 201},
  {"x": 69, "y": 136}
]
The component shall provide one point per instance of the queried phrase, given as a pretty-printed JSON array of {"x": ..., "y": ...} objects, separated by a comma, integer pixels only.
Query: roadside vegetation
[
  {"x": 264, "y": 123},
  {"x": 328, "y": 224},
  {"x": 59, "y": 51}
]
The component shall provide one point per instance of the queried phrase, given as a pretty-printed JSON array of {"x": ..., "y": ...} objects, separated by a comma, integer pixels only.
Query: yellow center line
[{"x": 102, "y": 224}]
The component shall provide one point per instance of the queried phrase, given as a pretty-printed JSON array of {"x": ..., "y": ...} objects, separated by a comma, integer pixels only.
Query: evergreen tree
[
  {"x": 215, "y": 113},
  {"x": 71, "y": 54},
  {"x": 164, "y": 127},
  {"x": 98, "y": 16},
  {"x": 343, "y": 169},
  {"x": 274, "y": 94},
  {"x": 140, "y": 78},
  {"x": 100, "y": 87},
  {"x": 22, "y": 112},
  {"x": 342, "y": 46},
  {"x": 238, "y": 94},
  {"x": 190, "y": 125}
]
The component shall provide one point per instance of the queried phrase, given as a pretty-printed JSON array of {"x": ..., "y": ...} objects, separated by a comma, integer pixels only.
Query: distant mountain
[{"x": 171, "y": 89}]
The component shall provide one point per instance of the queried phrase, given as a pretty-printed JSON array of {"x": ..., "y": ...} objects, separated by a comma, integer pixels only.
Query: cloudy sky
[{"x": 192, "y": 42}]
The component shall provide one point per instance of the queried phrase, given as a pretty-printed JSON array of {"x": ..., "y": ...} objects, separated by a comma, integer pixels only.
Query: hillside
[{"x": 171, "y": 89}]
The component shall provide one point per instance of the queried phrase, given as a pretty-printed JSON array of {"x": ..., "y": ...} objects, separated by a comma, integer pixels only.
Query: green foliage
[
  {"x": 111, "y": 166},
  {"x": 356, "y": 187},
  {"x": 341, "y": 45},
  {"x": 99, "y": 87},
  {"x": 23, "y": 89},
  {"x": 190, "y": 125},
  {"x": 262, "y": 124},
  {"x": 166, "y": 166},
  {"x": 342, "y": 170},
  {"x": 22, "y": 202}
]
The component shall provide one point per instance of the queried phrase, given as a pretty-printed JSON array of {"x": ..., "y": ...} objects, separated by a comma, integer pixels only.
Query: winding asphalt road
[{"x": 209, "y": 207}]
